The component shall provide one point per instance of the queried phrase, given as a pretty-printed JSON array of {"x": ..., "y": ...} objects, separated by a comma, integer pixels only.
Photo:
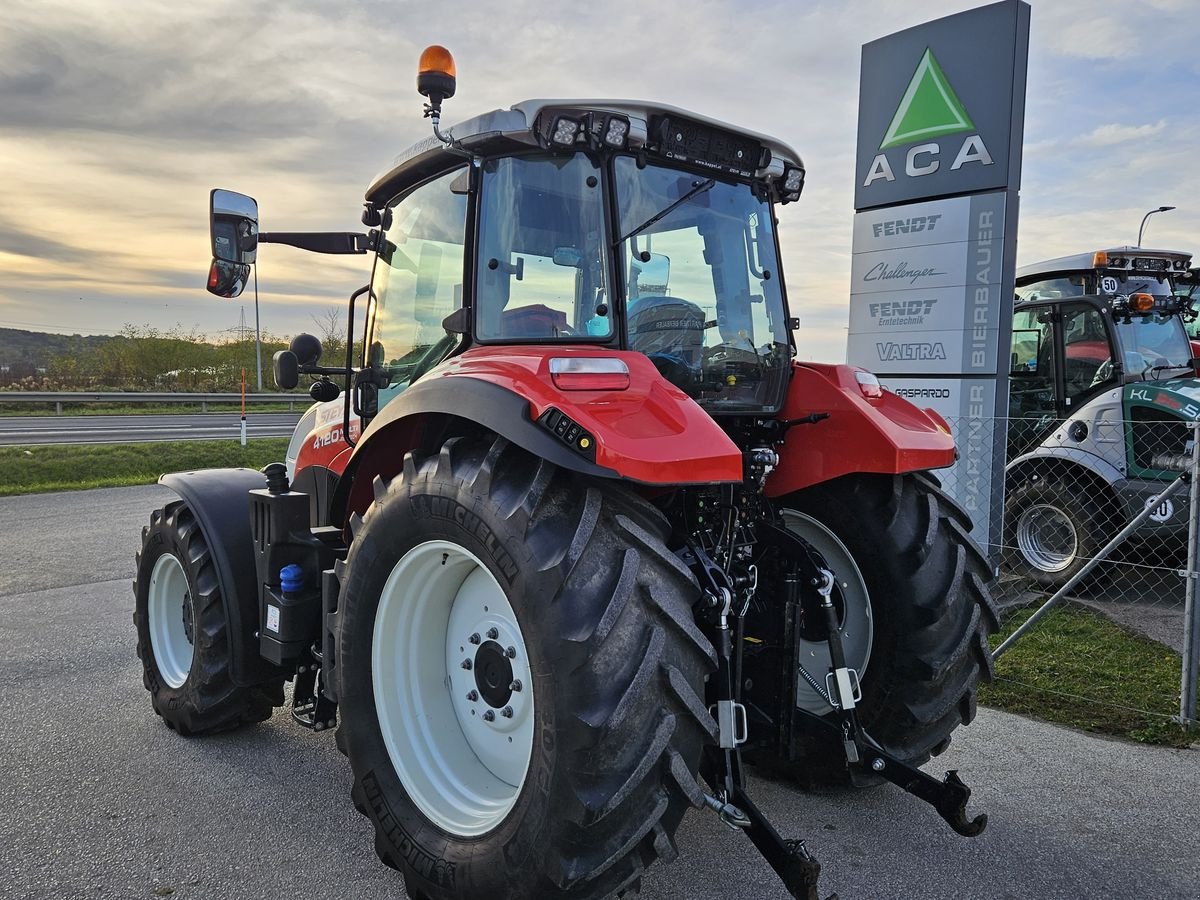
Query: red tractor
[{"x": 578, "y": 536}]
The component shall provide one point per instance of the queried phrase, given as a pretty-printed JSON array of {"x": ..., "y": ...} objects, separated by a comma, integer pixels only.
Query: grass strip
[
  {"x": 1080, "y": 669},
  {"x": 66, "y": 467}
]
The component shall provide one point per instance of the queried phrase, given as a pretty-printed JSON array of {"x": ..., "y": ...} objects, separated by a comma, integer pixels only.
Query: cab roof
[
  {"x": 1086, "y": 261},
  {"x": 513, "y": 129}
]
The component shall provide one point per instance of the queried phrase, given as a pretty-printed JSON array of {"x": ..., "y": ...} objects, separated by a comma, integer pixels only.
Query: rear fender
[
  {"x": 220, "y": 500},
  {"x": 650, "y": 433},
  {"x": 886, "y": 435}
]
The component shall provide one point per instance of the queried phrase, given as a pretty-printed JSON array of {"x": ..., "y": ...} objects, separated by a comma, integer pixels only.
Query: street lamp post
[{"x": 1148, "y": 215}]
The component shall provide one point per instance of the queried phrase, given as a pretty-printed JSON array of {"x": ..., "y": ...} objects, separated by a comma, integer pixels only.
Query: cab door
[{"x": 1035, "y": 390}]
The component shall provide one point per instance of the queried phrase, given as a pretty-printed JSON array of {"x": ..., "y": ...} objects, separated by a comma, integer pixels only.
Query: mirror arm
[{"x": 322, "y": 241}]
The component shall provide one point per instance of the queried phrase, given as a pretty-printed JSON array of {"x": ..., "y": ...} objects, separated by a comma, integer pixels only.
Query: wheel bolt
[
  {"x": 473, "y": 696},
  {"x": 512, "y": 652},
  {"x": 489, "y": 716},
  {"x": 493, "y": 633},
  {"x": 507, "y": 712},
  {"x": 475, "y": 638},
  {"x": 516, "y": 685},
  {"x": 466, "y": 664}
]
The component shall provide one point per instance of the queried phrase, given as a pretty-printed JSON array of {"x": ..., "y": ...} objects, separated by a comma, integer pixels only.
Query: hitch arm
[
  {"x": 949, "y": 796},
  {"x": 796, "y": 867}
]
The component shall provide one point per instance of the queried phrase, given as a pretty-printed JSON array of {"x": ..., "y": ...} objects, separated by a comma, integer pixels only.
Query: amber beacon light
[{"x": 435, "y": 74}]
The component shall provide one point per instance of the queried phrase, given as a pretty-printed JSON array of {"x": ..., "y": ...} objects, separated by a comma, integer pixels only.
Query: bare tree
[{"x": 330, "y": 330}]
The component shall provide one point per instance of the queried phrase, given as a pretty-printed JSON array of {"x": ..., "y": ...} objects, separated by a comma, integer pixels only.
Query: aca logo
[{"x": 929, "y": 110}]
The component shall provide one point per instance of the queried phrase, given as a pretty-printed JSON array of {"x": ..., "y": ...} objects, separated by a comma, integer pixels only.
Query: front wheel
[
  {"x": 1052, "y": 531},
  {"x": 183, "y": 639},
  {"x": 914, "y": 615},
  {"x": 520, "y": 678}
]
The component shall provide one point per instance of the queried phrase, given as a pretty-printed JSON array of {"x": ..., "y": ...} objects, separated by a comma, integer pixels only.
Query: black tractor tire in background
[
  {"x": 617, "y": 663},
  {"x": 1075, "y": 511},
  {"x": 207, "y": 700},
  {"x": 927, "y": 583}
]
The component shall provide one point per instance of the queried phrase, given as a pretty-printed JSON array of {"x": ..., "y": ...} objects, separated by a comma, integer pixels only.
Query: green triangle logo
[{"x": 929, "y": 107}]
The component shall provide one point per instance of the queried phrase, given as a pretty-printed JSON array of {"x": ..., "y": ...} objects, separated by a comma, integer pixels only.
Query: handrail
[{"x": 58, "y": 398}]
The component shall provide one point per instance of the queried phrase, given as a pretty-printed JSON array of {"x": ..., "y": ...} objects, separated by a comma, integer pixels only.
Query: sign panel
[
  {"x": 941, "y": 120},
  {"x": 920, "y": 308},
  {"x": 941, "y": 107},
  {"x": 967, "y": 405}
]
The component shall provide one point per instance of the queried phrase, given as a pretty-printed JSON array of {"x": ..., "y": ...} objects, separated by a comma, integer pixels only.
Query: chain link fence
[{"x": 1097, "y": 556}]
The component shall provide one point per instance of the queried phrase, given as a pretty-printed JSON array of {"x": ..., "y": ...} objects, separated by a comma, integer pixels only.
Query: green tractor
[{"x": 1102, "y": 390}]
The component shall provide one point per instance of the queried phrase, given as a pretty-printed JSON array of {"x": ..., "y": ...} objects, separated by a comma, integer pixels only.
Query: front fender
[
  {"x": 885, "y": 435},
  {"x": 220, "y": 500},
  {"x": 1109, "y": 473}
]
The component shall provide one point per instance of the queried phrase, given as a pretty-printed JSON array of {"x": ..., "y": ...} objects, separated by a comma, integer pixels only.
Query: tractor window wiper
[{"x": 698, "y": 188}]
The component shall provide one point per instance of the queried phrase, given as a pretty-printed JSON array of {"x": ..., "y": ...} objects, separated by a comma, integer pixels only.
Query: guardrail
[{"x": 120, "y": 398}]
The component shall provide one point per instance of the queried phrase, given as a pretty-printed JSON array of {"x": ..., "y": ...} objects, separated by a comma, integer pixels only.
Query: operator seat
[{"x": 670, "y": 331}]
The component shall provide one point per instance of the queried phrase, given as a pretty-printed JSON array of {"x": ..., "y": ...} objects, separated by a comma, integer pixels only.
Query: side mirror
[
  {"x": 227, "y": 279},
  {"x": 652, "y": 276},
  {"x": 233, "y": 226},
  {"x": 286, "y": 369}
]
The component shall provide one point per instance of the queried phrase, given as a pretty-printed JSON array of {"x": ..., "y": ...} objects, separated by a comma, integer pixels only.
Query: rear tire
[
  {"x": 930, "y": 615},
  {"x": 183, "y": 640},
  {"x": 598, "y": 614}
]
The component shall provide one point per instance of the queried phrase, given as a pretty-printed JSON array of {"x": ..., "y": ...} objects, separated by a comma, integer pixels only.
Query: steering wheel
[{"x": 1134, "y": 362}]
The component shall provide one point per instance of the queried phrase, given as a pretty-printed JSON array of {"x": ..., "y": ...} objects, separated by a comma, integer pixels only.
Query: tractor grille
[{"x": 1156, "y": 435}]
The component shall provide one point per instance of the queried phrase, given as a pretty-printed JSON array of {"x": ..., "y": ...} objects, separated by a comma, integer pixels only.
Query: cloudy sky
[{"x": 117, "y": 116}]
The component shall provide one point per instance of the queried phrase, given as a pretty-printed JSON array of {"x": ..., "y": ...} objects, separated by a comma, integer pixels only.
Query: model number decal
[{"x": 332, "y": 436}]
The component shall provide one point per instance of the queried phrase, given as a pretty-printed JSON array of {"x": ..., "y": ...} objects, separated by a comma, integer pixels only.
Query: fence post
[
  {"x": 1191, "y": 609},
  {"x": 58, "y": 407}
]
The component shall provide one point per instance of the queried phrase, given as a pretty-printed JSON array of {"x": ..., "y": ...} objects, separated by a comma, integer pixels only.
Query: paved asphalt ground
[
  {"x": 98, "y": 799},
  {"x": 20, "y": 430}
]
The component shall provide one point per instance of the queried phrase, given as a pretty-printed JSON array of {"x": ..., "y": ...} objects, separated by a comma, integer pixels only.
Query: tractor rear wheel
[
  {"x": 183, "y": 639},
  {"x": 520, "y": 678},
  {"x": 915, "y": 614}
]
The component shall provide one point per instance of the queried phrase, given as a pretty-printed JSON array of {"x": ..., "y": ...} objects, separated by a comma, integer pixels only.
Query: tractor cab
[
  {"x": 595, "y": 224},
  {"x": 1087, "y": 324}
]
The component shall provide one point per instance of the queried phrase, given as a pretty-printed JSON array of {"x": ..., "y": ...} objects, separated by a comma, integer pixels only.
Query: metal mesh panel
[{"x": 1074, "y": 492}]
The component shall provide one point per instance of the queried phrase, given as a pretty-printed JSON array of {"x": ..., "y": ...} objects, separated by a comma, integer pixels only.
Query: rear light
[
  {"x": 1141, "y": 302},
  {"x": 869, "y": 385},
  {"x": 584, "y": 373}
]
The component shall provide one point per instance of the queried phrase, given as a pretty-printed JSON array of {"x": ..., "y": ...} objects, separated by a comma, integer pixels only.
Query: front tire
[
  {"x": 484, "y": 544},
  {"x": 901, "y": 545},
  {"x": 183, "y": 639},
  {"x": 1052, "y": 531}
]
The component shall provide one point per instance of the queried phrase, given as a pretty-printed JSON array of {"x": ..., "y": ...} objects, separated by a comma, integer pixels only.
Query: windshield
[
  {"x": 1152, "y": 344},
  {"x": 703, "y": 297}
]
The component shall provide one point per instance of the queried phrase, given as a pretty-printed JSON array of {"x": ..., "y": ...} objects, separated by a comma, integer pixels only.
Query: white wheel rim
[
  {"x": 172, "y": 622},
  {"x": 1047, "y": 538},
  {"x": 461, "y": 754},
  {"x": 858, "y": 624}
]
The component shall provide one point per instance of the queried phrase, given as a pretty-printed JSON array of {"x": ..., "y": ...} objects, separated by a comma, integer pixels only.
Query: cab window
[
  {"x": 418, "y": 279},
  {"x": 1053, "y": 288},
  {"x": 542, "y": 267},
  {"x": 1088, "y": 355}
]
